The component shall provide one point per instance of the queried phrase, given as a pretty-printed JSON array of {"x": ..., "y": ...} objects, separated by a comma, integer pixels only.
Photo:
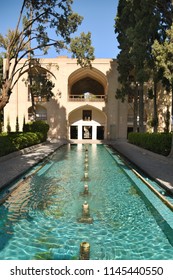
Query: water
[{"x": 40, "y": 219}]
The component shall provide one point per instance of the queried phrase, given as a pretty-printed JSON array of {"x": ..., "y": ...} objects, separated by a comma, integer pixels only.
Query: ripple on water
[{"x": 41, "y": 215}]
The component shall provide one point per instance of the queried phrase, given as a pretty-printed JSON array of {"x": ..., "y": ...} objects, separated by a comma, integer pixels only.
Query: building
[{"x": 84, "y": 104}]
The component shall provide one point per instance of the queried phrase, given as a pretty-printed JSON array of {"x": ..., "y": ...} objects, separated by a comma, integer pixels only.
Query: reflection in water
[{"x": 40, "y": 219}]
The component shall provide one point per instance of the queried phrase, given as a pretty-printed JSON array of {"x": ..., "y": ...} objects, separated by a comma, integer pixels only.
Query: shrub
[
  {"x": 38, "y": 127},
  {"x": 17, "y": 124},
  {"x": 159, "y": 143},
  {"x": 17, "y": 141},
  {"x": 8, "y": 125}
]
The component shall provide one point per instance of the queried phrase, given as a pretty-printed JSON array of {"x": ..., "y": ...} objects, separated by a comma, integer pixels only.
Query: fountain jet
[
  {"x": 84, "y": 251},
  {"x": 85, "y": 214}
]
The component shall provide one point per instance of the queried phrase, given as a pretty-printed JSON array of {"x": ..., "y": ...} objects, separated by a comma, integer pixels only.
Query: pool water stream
[{"x": 40, "y": 219}]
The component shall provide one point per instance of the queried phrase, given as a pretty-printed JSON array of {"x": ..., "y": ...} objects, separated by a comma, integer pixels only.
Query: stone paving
[
  {"x": 158, "y": 167},
  {"x": 17, "y": 163}
]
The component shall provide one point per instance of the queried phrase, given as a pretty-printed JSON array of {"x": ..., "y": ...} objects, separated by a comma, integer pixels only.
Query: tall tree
[
  {"x": 163, "y": 53},
  {"x": 125, "y": 66},
  {"x": 55, "y": 14},
  {"x": 1, "y": 80},
  {"x": 138, "y": 24},
  {"x": 1, "y": 71}
]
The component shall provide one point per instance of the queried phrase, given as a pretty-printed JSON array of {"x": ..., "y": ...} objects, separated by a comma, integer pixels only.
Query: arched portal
[
  {"x": 87, "y": 122},
  {"x": 87, "y": 83}
]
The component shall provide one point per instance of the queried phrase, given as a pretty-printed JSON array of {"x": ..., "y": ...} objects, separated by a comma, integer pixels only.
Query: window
[{"x": 87, "y": 115}]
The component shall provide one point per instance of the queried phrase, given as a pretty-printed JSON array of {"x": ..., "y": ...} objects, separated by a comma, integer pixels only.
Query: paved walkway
[
  {"x": 15, "y": 164},
  {"x": 156, "y": 166}
]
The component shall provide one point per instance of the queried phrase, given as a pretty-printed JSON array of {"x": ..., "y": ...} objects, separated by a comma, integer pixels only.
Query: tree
[
  {"x": 1, "y": 71},
  {"x": 39, "y": 84},
  {"x": 1, "y": 79},
  {"x": 163, "y": 53},
  {"x": 55, "y": 14},
  {"x": 81, "y": 47},
  {"x": 138, "y": 24},
  {"x": 125, "y": 66}
]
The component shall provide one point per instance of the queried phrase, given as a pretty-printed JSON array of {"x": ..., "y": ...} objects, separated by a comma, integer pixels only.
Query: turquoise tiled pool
[{"x": 40, "y": 219}]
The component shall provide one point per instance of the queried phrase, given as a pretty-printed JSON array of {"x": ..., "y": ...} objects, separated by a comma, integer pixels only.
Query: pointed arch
[
  {"x": 86, "y": 80},
  {"x": 83, "y": 127}
]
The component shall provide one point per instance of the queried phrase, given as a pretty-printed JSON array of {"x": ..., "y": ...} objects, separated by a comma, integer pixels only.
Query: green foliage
[
  {"x": 17, "y": 124},
  {"x": 17, "y": 141},
  {"x": 154, "y": 122},
  {"x": 1, "y": 120},
  {"x": 163, "y": 54},
  {"x": 1, "y": 70},
  {"x": 137, "y": 25},
  {"x": 37, "y": 126},
  {"x": 35, "y": 19},
  {"x": 24, "y": 125},
  {"x": 34, "y": 133},
  {"x": 150, "y": 93},
  {"x": 8, "y": 125},
  {"x": 159, "y": 143},
  {"x": 167, "y": 120},
  {"x": 11, "y": 38},
  {"x": 42, "y": 86},
  {"x": 82, "y": 49}
]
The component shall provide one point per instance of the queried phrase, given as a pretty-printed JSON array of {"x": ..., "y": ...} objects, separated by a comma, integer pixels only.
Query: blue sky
[{"x": 98, "y": 19}]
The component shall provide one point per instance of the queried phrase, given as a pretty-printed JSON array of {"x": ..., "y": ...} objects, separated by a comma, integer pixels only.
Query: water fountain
[
  {"x": 60, "y": 222},
  {"x": 86, "y": 148},
  {"x": 86, "y": 166},
  {"x": 86, "y": 189},
  {"x": 85, "y": 214},
  {"x": 84, "y": 251},
  {"x": 86, "y": 175}
]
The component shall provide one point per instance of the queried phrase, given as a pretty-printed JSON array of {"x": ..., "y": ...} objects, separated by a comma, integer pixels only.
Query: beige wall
[{"x": 60, "y": 110}]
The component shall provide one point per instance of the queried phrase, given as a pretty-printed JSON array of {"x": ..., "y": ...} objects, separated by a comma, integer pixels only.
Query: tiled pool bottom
[{"x": 40, "y": 219}]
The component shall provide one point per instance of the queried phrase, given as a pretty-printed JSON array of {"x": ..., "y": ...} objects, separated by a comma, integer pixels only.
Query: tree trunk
[
  {"x": 135, "y": 110},
  {"x": 141, "y": 109},
  {"x": 30, "y": 70},
  {"x": 171, "y": 152},
  {"x": 155, "y": 108},
  {"x": 32, "y": 96},
  {"x": 5, "y": 94}
]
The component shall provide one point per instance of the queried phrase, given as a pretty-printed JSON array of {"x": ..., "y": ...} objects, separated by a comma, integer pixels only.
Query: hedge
[
  {"x": 159, "y": 143},
  {"x": 16, "y": 141},
  {"x": 33, "y": 133},
  {"x": 37, "y": 126}
]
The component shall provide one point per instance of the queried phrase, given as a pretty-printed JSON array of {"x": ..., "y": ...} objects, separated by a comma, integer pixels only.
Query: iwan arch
[{"x": 84, "y": 104}]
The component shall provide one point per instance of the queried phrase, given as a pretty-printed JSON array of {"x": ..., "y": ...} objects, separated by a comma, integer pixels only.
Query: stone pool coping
[{"x": 159, "y": 206}]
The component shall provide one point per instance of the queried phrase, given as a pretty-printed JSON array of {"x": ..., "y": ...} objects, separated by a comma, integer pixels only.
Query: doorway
[
  {"x": 100, "y": 132},
  {"x": 73, "y": 132}
]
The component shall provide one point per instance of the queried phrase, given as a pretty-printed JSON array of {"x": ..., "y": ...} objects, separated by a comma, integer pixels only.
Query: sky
[{"x": 98, "y": 16}]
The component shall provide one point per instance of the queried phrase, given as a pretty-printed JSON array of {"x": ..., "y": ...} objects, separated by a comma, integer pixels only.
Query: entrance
[
  {"x": 73, "y": 132},
  {"x": 86, "y": 132},
  {"x": 100, "y": 132}
]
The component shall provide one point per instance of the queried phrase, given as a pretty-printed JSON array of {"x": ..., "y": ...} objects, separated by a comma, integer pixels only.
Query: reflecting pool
[{"x": 41, "y": 218}]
